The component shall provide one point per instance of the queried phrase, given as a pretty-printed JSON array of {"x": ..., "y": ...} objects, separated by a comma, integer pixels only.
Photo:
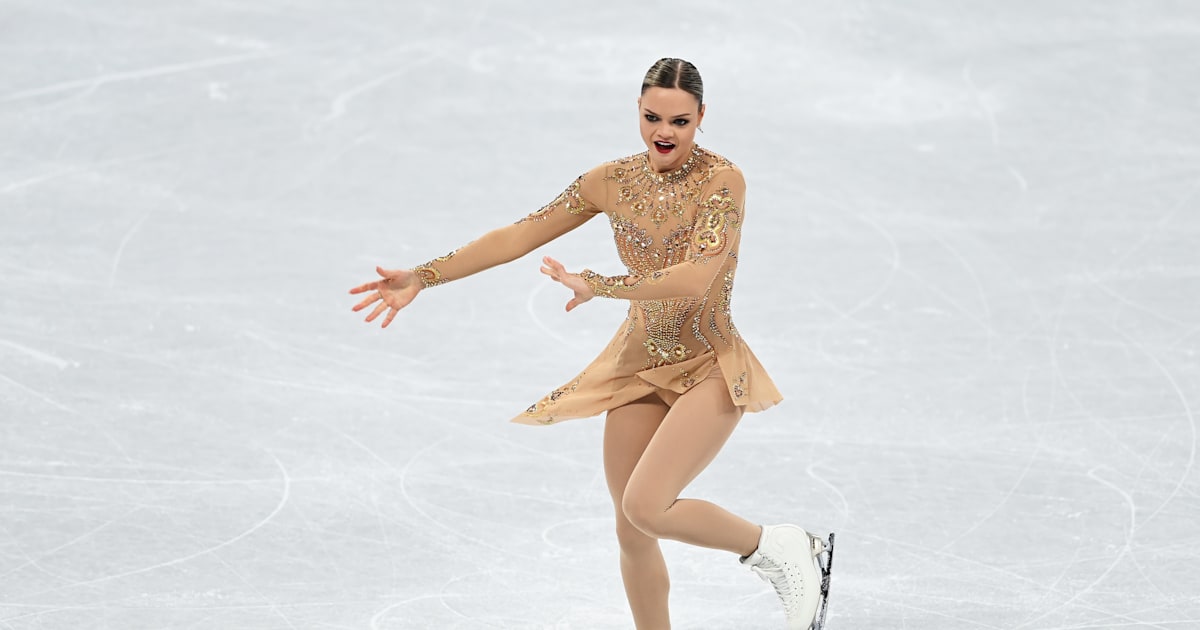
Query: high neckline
[{"x": 677, "y": 174}]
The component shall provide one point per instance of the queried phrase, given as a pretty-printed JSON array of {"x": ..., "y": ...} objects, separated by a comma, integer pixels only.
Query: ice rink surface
[{"x": 971, "y": 263}]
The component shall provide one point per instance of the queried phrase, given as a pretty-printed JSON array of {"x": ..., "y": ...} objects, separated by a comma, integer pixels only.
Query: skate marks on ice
[{"x": 985, "y": 327}]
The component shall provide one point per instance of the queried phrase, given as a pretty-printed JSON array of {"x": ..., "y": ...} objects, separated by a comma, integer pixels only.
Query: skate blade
[{"x": 825, "y": 561}]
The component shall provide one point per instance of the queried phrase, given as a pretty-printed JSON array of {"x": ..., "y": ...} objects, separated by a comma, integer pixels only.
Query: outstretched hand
[
  {"x": 572, "y": 281},
  {"x": 397, "y": 288}
]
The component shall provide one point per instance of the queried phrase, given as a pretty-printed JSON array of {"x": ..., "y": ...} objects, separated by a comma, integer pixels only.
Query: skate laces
[{"x": 771, "y": 571}]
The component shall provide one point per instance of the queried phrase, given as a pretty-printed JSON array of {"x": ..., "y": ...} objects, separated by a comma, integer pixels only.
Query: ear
[
  {"x": 639, "y": 103},
  {"x": 700, "y": 118}
]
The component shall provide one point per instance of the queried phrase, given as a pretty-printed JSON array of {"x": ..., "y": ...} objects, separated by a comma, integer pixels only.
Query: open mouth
[{"x": 663, "y": 147}]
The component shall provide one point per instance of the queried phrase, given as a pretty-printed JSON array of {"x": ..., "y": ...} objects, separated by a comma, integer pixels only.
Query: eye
[
  {"x": 651, "y": 118},
  {"x": 680, "y": 122}
]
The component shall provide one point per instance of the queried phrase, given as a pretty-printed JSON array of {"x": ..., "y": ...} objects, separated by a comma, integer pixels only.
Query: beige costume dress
[{"x": 678, "y": 235}]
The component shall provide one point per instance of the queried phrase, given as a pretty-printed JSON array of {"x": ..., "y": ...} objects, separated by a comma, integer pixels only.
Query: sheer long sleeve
[
  {"x": 568, "y": 211},
  {"x": 715, "y": 236}
]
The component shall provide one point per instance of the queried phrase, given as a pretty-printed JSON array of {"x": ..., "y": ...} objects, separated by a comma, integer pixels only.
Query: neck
[
  {"x": 682, "y": 159},
  {"x": 677, "y": 171}
]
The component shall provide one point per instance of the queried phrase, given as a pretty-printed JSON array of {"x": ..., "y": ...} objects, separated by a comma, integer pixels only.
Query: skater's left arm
[{"x": 715, "y": 235}]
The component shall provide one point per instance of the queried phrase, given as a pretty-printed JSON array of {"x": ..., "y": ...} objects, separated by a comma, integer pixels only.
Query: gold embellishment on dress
[
  {"x": 659, "y": 221},
  {"x": 428, "y": 276},
  {"x": 638, "y": 248},
  {"x": 713, "y": 327},
  {"x": 660, "y": 196},
  {"x": 664, "y": 320},
  {"x": 739, "y": 390},
  {"x": 428, "y": 273},
  {"x": 719, "y": 214},
  {"x": 662, "y": 356},
  {"x": 719, "y": 210},
  {"x": 675, "y": 245},
  {"x": 675, "y": 175},
  {"x": 541, "y": 407},
  {"x": 570, "y": 199},
  {"x": 696, "y": 328},
  {"x": 607, "y": 286},
  {"x": 724, "y": 301}
]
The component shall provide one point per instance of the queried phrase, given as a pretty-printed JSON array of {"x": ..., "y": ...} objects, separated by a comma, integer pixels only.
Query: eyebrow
[{"x": 650, "y": 111}]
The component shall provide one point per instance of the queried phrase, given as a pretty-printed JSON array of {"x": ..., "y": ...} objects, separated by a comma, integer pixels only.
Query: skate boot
[{"x": 798, "y": 565}]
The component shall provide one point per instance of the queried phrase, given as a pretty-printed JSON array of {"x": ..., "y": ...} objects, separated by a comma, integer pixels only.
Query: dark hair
[{"x": 669, "y": 72}]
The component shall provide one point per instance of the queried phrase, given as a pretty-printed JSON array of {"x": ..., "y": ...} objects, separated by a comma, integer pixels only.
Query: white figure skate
[{"x": 798, "y": 565}]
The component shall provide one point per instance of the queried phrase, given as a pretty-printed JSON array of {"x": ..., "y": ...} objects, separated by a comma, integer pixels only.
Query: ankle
[{"x": 752, "y": 545}]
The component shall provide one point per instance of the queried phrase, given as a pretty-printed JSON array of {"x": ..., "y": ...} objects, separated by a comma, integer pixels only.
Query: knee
[
  {"x": 630, "y": 538},
  {"x": 645, "y": 514}
]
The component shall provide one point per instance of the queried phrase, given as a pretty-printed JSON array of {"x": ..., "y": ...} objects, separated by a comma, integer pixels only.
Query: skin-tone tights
[{"x": 651, "y": 453}]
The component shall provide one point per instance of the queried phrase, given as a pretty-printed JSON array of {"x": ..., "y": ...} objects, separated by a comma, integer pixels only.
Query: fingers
[
  {"x": 367, "y": 301},
  {"x": 400, "y": 275},
  {"x": 554, "y": 269},
  {"x": 380, "y": 308},
  {"x": 378, "y": 311},
  {"x": 376, "y": 298},
  {"x": 363, "y": 288},
  {"x": 576, "y": 301}
]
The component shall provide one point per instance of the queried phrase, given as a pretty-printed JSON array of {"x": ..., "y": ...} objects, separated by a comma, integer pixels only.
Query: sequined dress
[{"x": 678, "y": 235}]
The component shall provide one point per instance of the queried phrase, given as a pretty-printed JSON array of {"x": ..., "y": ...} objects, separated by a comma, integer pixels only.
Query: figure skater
[{"x": 677, "y": 376}]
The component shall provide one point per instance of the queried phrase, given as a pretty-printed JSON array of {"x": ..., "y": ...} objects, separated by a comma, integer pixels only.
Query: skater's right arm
[
  {"x": 396, "y": 288},
  {"x": 568, "y": 211}
]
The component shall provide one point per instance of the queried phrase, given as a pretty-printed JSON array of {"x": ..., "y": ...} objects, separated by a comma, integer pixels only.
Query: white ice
[{"x": 971, "y": 263}]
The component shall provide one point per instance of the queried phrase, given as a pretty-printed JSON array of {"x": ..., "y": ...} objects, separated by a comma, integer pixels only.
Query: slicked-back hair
[{"x": 669, "y": 72}]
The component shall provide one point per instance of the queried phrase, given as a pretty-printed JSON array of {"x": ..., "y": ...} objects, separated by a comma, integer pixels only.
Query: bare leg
[
  {"x": 690, "y": 436},
  {"x": 627, "y": 431}
]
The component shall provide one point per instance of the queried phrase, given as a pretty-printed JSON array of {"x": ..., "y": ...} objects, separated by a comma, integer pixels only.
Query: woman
[{"x": 677, "y": 377}]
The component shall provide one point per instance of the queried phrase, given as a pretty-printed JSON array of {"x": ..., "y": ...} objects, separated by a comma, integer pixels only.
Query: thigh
[
  {"x": 689, "y": 438},
  {"x": 627, "y": 431}
]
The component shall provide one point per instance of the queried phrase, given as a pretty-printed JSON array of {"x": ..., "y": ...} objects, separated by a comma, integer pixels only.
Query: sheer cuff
[
  {"x": 429, "y": 275},
  {"x": 607, "y": 286}
]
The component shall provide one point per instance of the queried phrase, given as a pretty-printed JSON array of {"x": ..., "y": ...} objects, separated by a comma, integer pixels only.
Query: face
[{"x": 669, "y": 118}]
